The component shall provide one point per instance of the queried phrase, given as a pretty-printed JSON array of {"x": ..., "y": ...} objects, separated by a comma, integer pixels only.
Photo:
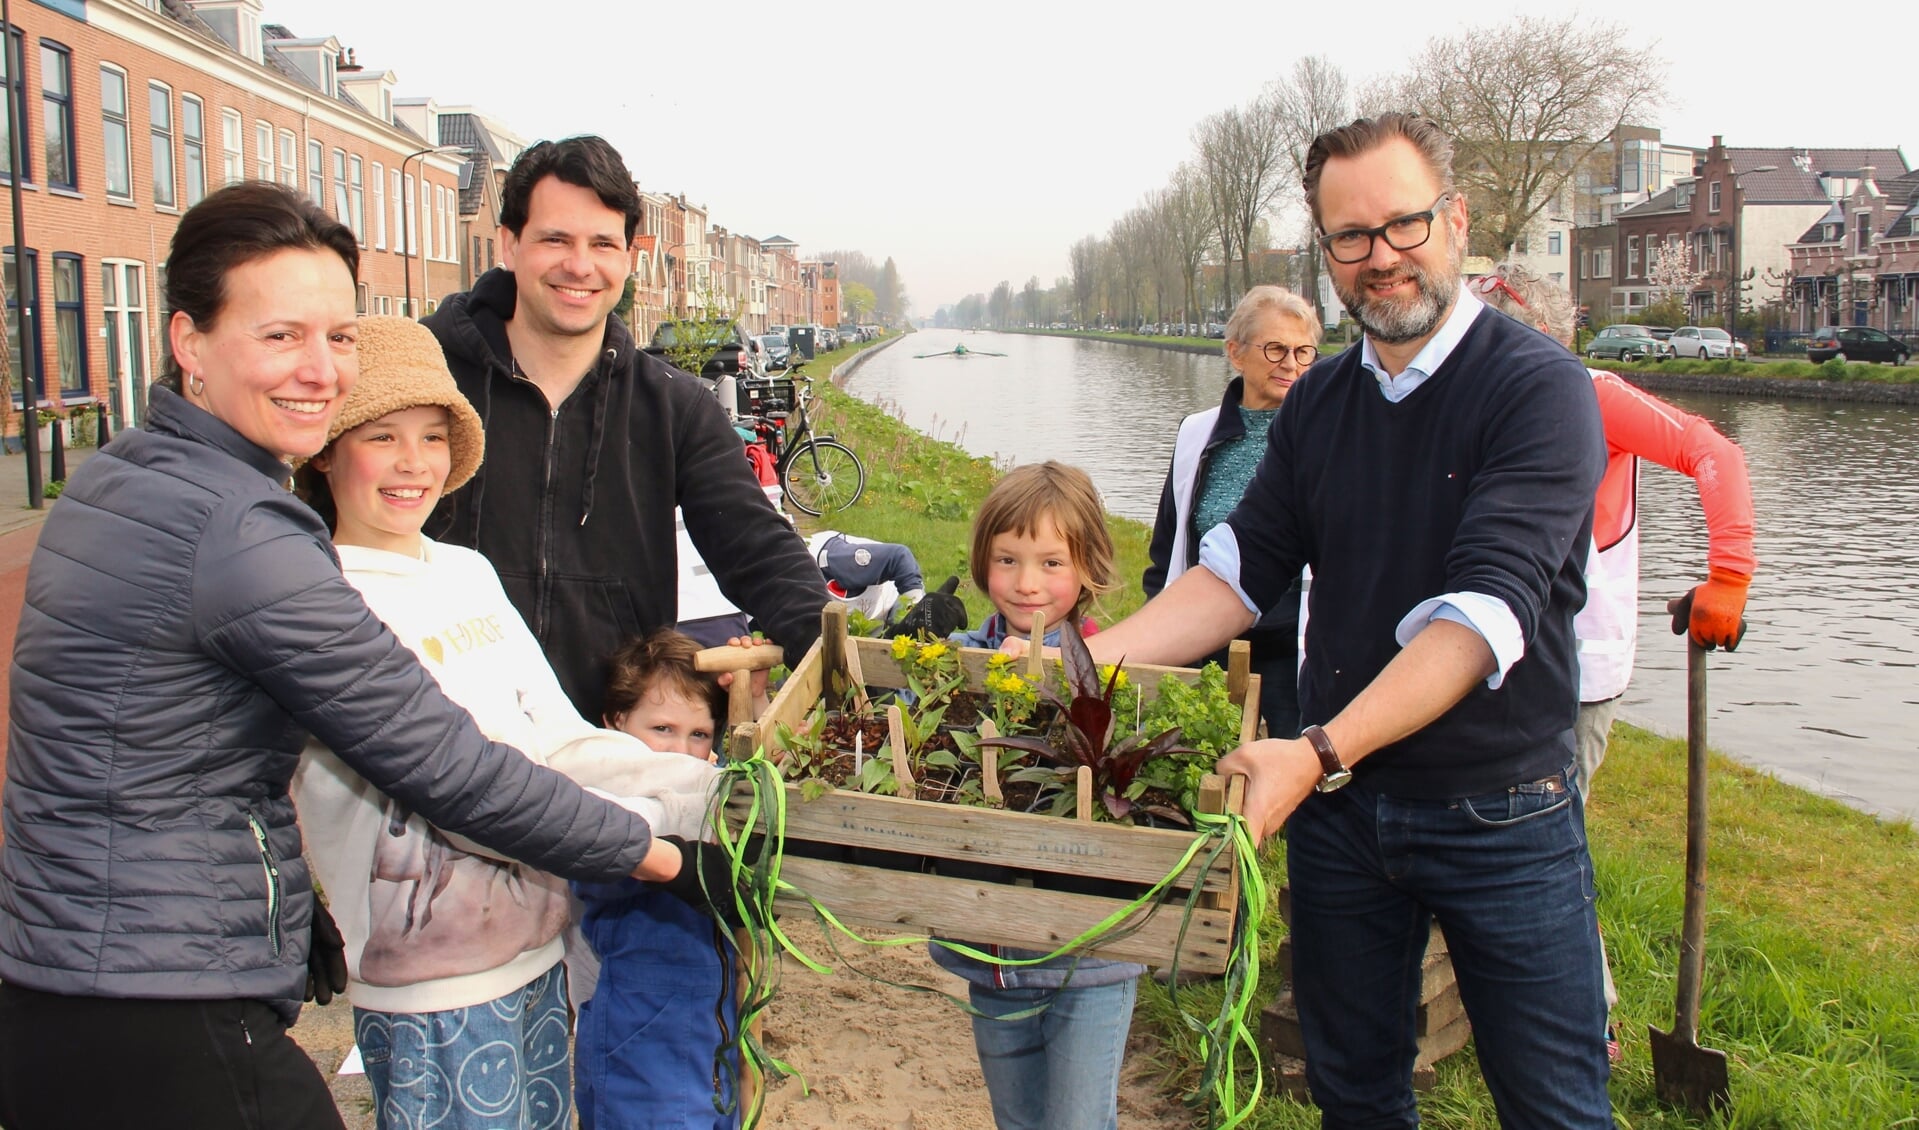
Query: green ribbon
[{"x": 757, "y": 884}]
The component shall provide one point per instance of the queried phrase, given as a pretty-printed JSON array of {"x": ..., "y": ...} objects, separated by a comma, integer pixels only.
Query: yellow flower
[
  {"x": 902, "y": 645},
  {"x": 1106, "y": 675},
  {"x": 930, "y": 653},
  {"x": 1012, "y": 684},
  {"x": 998, "y": 660}
]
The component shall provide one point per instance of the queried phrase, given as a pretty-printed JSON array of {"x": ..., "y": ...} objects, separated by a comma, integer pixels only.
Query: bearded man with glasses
[{"x": 1439, "y": 480}]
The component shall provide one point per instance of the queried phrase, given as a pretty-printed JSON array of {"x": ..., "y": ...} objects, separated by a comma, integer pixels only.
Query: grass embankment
[
  {"x": 1783, "y": 369},
  {"x": 1812, "y": 943}
]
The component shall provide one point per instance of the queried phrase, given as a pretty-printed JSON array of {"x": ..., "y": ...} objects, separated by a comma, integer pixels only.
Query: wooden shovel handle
[
  {"x": 759, "y": 657},
  {"x": 1692, "y": 936}
]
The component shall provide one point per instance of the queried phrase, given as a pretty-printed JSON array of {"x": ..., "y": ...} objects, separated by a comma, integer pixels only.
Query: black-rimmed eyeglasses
[
  {"x": 1302, "y": 355},
  {"x": 1355, "y": 245}
]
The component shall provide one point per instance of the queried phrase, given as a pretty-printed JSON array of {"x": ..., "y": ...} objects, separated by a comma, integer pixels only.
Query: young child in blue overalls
[{"x": 654, "y": 1040}]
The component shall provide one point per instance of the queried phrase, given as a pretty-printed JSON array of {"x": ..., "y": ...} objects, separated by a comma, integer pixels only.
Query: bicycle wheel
[{"x": 822, "y": 475}]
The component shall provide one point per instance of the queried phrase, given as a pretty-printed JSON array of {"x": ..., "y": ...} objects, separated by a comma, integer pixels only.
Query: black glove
[
  {"x": 705, "y": 881},
  {"x": 326, "y": 958},
  {"x": 939, "y": 613}
]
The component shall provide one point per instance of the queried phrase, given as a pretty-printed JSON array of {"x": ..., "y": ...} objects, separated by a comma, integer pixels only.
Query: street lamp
[
  {"x": 406, "y": 222},
  {"x": 23, "y": 284}
]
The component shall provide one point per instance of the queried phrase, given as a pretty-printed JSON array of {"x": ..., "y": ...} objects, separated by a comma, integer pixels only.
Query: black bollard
[
  {"x": 106, "y": 433},
  {"x": 57, "y": 461}
]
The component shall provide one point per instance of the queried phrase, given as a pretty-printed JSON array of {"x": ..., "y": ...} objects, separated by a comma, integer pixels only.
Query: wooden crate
[{"x": 1032, "y": 848}]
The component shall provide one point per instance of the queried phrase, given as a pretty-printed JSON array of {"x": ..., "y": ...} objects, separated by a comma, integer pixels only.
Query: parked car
[
  {"x": 777, "y": 350},
  {"x": 1857, "y": 343},
  {"x": 1625, "y": 342},
  {"x": 1705, "y": 342},
  {"x": 827, "y": 336},
  {"x": 720, "y": 343}
]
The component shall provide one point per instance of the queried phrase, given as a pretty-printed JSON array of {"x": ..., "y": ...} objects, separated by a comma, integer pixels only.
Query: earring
[{"x": 195, "y": 385}]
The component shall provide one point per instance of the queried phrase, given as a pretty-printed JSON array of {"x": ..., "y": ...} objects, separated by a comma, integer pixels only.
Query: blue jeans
[
  {"x": 502, "y": 1063},
  {"x": 1508, "y": 877},
  {"x": 1058, "y": 1070}
]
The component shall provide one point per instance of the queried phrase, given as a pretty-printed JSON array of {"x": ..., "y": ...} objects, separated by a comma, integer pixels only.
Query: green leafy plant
[
  {"x": 1087, "y": 736},
  {"x": 806, "y": 753}
]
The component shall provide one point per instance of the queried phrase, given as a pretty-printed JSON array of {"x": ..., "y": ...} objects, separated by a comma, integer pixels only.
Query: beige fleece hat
[{"x": 401, "y": 366}]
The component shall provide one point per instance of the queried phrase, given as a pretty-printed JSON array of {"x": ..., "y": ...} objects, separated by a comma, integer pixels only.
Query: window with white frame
[
  {"x": 1555, "y": 243},
  {"x": 289, "y": 159},
  {"x": 233, "y": 162},
  {"x": 1712, "y": 198},
  {"x": 342, "y": 210},
  {"x": 115, "y": 133},
  {"x": 1862, "y": 229},
  {"x": 356, "y": 196},
  {"x": 1602, "y": 262},
  {"x": 397, "y": 194},
  {"x": 1632, "y": 256},
  {"x": 379, "y": 206},
  {"x": 160, "y": 134},
  {"x": 316, "y": 172},
  {"x": 263, "y": 150},
  {"x": 193, "y": 146},
  {"x": 123, "y": 299}
]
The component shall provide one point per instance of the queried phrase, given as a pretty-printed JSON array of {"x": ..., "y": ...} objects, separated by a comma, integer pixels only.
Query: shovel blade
[{"x": 1688, "y": 1075}]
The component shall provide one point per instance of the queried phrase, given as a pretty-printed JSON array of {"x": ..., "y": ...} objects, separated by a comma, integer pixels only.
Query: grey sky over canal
[{"x": 975, "y": 142}]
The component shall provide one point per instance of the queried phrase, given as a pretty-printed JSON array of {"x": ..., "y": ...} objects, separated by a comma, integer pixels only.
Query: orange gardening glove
[{"x": 1713, "y": 613}]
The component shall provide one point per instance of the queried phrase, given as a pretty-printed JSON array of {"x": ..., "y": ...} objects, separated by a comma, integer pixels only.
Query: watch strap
[{"x": 1329, "y": 762}]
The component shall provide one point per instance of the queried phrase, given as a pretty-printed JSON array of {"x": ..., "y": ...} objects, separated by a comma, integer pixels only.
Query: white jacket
[{"x": 432, "y": 921}]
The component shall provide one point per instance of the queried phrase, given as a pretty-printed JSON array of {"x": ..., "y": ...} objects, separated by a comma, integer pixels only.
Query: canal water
[{"x": 1824, "y": 692}]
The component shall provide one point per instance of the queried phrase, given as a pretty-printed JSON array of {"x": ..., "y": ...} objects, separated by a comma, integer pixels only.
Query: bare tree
[
  {"x": 1029, "y": 297},
  {"x": 1241, "y": 154},
  {"x": 1307, "y": 103},
  {"x": 1189, "y": 230},
  {"x": 999, "y": 308},
  {"x": 1083, "y": 257},
  {"x": 1527, "y": 102}
]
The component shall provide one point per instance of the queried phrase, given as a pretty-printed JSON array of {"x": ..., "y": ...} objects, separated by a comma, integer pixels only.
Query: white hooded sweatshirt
[{"x": 432, "y": 921}]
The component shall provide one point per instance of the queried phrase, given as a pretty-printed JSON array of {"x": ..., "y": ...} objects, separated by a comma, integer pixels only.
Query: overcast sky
[{"x": 976, "y": 143}]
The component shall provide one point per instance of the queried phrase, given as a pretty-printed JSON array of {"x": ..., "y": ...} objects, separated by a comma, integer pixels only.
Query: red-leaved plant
[{"x": 1087, "y": 735}]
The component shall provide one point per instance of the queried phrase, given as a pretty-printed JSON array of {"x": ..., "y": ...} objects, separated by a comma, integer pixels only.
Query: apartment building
[{"x": 131, "y": 111}]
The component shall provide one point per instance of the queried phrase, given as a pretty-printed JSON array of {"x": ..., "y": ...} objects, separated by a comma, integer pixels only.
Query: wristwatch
[{"x": 1333, "y": 772}]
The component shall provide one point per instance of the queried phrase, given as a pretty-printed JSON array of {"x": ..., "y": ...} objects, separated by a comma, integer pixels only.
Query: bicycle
[{"x": 818, "y": 473}]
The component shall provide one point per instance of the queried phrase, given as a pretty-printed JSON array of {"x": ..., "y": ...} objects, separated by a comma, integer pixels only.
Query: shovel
[{"x": 1683, "y": 1072}]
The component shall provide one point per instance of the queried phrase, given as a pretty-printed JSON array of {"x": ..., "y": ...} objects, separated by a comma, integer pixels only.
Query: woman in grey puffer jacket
[{"x": 185, "y": 626}]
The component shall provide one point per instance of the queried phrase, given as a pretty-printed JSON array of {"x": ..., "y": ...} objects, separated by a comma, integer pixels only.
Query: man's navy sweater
[{"x": 1481, "y": 480}]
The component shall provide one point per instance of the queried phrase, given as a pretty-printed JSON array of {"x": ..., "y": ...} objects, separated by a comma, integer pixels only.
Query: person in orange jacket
[{"x": 1638, "y": 426}]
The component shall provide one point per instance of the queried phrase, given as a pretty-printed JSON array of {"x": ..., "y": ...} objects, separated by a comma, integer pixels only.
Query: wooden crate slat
[
  {"x": 1026, "y": 840},
  {"x": 896, "y": 902},
  {"x": 882, "y": 670}
]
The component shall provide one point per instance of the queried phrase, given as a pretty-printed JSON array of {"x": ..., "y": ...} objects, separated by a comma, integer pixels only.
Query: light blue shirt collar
[{"x": 1428, "y": 360}]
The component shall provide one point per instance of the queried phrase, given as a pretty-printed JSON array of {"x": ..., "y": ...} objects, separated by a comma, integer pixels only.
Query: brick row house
[
  {"x": 1735, "y": 220},
  {"x": 131, "y": 111},
  {"x": 1858, "y": 264}
]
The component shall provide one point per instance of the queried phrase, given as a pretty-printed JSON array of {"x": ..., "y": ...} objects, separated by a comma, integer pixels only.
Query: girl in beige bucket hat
[{"x": 451, "y": 949}]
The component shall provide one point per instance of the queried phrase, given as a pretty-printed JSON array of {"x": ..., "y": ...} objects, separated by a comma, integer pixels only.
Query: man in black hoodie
[{"x": 590, "y": 443}]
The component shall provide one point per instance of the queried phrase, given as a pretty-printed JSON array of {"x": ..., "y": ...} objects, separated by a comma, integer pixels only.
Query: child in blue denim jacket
[
  {"x": 653, "y": 1041},
  {"x": 1040, "y": 546}
]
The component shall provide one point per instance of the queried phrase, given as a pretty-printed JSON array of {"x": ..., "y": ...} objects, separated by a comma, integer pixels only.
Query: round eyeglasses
[
  {"x": 1355, "y": 245},
  {"x": 1302, "y": 355}
]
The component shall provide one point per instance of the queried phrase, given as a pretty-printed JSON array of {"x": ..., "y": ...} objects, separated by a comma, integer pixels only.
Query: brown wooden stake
[
  {"x": 1035, "y": 662},
  {"x": 1085, "y": 812},
  {"x": 1250, "y": 723},
  {"x": 989, "y": 762},
  {"x": 1239, "y": 668},
  {"x": 902, "y": 772},
  {"x": 834, "y": 644}
]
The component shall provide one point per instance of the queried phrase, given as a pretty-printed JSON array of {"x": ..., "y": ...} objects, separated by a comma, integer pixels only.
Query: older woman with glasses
[{"x": 1271, "y": 340}]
